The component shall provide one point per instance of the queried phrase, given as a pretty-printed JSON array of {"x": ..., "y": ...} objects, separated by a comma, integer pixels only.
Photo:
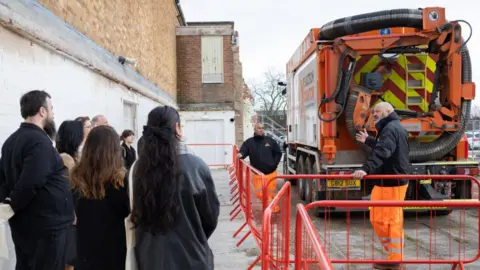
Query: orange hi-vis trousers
[
  {"x": 387, "y": 222},
  {"x": 271, "y": 188}
]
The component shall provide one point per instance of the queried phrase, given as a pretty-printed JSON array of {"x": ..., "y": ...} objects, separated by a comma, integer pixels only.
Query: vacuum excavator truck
[{"x": 416, "y": 60}]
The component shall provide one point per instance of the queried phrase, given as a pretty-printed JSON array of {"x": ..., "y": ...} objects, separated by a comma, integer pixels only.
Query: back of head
[
  {"x": 101, "y": 164},
  {"x": 31, "y": 102},
  {"x": 99, "y": 120},
  {"x": 155, "y": 178},
  {"x": 69, "y": 137}
]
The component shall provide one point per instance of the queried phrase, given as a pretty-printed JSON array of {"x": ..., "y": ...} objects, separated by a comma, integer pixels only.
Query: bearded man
[
  {"x": 390, "y": 155},
  {"x": 34, "y": 182}
]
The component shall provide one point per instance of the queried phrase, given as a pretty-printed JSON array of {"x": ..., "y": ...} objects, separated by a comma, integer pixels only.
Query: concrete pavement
[{"x": 227, "y": 254}]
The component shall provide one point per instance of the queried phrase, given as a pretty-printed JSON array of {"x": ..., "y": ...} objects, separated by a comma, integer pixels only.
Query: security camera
[{"x": 130, "y": 61}]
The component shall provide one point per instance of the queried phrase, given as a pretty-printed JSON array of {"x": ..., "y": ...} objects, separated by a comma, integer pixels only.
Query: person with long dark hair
[
  {"x": 68, "y": 141},
  {"x": 101, "y": 202},
  {"x": 175, "y": 205}
]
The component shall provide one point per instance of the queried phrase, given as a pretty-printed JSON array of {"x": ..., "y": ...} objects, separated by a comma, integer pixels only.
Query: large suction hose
[{"x": 400, "y": 18}]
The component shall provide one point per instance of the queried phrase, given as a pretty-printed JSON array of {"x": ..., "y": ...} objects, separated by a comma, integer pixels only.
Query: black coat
[
  {"x": 186, "y": 246},
  {"x": 390, "y": 154},
  {"x": 33, "y": 175},
  {"x": 129, "y": 155},
  {"x": 264, "y": 153}
]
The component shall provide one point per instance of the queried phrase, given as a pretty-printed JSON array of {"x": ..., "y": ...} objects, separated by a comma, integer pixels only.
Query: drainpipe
[{"x": 180, "y": 16}]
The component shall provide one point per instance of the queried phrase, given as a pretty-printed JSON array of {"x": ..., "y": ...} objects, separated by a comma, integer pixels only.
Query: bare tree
[
  {"x": 268, "y": 95},
  {"x": 475, "y": 112}
]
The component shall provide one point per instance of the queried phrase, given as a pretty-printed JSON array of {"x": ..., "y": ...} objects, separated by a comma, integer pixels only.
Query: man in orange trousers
[
  {"x": 265, "y": 155},
  {"x": 390, "y": 155}
]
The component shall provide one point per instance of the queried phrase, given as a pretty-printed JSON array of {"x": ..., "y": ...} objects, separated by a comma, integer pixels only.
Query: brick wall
[
  {"x": 145, "y": 31},
  {"x": 189, "y": 70}
]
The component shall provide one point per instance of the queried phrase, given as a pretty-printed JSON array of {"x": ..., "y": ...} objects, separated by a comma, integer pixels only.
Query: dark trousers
[{"x": 45, "y": 251}]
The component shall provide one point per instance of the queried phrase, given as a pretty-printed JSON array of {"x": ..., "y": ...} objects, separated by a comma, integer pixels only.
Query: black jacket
[
  {"x": 264, "y": 153},
  {"x": 33, "y": 175},
  {"x": 129, "y": 155},
  {"x": 186, "y": 246},
  {"x": 390, "y": 154}
]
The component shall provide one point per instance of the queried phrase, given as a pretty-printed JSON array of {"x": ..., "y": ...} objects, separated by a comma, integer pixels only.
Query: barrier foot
[
  {"x": 233, "y": 189},
  {"x": 243, "y": 238},
  {"x": 254, "y": 263},
  {"x": 236, "y": 214},
  {"x": 460, "y": 266},
  {"x": 240, "y": 229},
  {"x": 234, "y": 209},
  {"x": 232, "y": 181}
]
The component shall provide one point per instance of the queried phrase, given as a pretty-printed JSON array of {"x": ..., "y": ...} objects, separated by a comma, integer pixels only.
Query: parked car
[{"x": 473, "y": 139}]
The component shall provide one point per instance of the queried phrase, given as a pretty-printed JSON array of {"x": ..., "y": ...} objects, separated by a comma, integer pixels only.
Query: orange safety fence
[
  {"x": 309, "y": 253},
  {"x": 276, "y": 231},
  {"x": 429, "y": 238}
]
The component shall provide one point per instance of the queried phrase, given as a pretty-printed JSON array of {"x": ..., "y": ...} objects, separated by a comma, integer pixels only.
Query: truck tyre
[
  {"x": 300, "y": 182},
  {"x": 308, "y": 183}
]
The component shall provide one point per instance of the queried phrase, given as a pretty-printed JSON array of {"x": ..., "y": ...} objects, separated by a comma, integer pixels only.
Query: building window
[
  {"x": 129, "y": 116},
  {"x": 212, "y": 59}
]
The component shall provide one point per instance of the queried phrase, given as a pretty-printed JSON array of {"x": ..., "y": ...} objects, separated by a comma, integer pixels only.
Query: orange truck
[{"x": 412, "y": 58}]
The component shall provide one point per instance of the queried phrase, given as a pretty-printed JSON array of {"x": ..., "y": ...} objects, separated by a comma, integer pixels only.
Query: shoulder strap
[{"x": 130, "y": 184}]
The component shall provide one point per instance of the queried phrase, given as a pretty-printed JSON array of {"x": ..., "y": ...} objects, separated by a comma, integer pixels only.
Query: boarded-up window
[{"x": 212, "y": 59}]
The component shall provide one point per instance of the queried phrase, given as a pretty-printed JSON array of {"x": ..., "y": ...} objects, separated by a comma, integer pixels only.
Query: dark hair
[
  {"x": 155, "y": 205},
  {"x": 82, "y": 119},
  {"x": 69, "y": 137},
  {"x": 31, "y": 102},
  {"x": 126, "y": 133},
  {"x": 101, "y": 164},
  {"x": 140, "y": 144}
]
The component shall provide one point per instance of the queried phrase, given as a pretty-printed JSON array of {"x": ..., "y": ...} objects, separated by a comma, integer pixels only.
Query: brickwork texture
[
  {"x": 144, "y": 30},
  {"x": 189, "y": 67}
]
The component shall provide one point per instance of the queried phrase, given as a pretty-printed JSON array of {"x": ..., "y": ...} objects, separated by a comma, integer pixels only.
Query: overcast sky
[{"x": 271, "y": 30}]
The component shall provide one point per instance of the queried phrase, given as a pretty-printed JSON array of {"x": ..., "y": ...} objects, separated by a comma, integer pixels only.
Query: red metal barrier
[
  {"x": 309, "y": 253},
  {"x": 276, "y": 231},
  {"x": 450, "y": 231}
]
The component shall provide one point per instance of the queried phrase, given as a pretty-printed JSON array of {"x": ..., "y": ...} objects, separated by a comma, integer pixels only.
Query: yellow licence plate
[{"x": 343, "y": 184}]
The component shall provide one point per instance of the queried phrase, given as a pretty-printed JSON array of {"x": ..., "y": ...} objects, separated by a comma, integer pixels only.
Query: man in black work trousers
[{"x": 34, "y": 182}]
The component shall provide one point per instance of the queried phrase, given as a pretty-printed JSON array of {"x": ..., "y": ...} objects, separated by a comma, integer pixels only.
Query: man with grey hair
[
  {"x": 390, "y": 155},
  {"x": 99, "y": 120}
]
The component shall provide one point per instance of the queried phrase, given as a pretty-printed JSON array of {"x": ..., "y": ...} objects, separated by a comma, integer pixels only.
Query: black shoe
[{"x": 387, "y": 266}]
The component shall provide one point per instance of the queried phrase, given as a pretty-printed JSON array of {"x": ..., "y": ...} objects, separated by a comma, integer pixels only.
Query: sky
[{"x": 271, "y": 30}]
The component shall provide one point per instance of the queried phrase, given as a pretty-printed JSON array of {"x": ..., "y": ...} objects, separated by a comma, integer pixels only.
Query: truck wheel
[
  {"x": 308, "y": 183},
  {"x": 301, "y": 182}
]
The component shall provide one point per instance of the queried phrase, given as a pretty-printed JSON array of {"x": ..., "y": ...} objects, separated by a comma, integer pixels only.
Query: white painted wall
[
  {"x": 248, "y": 116},
  {"x": 210, "y": 127},
  {"x": 76, "y": 90}
]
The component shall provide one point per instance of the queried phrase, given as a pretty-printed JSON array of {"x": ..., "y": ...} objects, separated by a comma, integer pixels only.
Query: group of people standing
[{"x": 70, "y": 198}]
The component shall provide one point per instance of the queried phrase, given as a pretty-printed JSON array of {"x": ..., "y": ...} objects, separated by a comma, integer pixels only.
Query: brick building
[
  {"x": 210, "y": 82},
  {"x": 70, "y": 48},
  {"x": 143, "y": 31}
]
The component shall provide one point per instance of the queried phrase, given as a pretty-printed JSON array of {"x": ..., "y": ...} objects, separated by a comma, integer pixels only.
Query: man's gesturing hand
[
  {"x": 359, "y": 174},
  {"x": 239, "y": 155},
  {"x": 362, "y": 136}
]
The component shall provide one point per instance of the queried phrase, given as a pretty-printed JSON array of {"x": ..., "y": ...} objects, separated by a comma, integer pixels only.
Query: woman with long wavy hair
[
  {"x": 101, "y": 202},
  {"x": 175, "y": 206}
]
